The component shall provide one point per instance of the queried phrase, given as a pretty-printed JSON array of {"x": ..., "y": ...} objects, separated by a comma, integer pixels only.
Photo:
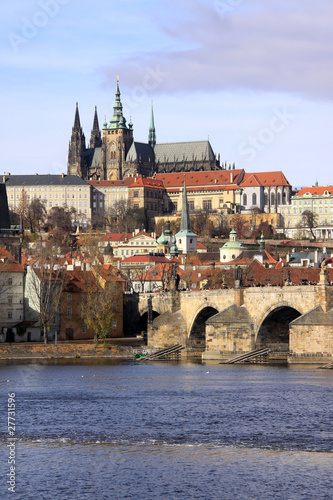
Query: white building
[{"x": 54, "y": 190}]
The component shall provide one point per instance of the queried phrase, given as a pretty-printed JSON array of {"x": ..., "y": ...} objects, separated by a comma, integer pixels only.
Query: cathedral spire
[
  {"x": 185, "y": 224},
  {"x": 152, "y": 132},
  {"x": 95, "y": 137},
  {"x": 77, "y": 123}
]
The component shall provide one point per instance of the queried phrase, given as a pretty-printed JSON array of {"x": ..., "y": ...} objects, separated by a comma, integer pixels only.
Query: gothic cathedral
[{"x": 115, "y": 155}]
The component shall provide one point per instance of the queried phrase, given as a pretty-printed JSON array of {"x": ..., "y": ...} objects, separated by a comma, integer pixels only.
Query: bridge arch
[
  {"x": 196, "y": 340},
  {"x": 142, "y": 324},
  {"x": 273, "y": 328}
]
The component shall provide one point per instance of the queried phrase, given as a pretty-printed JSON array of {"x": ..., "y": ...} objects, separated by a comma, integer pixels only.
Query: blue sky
[{"x": 255, "y": 77}]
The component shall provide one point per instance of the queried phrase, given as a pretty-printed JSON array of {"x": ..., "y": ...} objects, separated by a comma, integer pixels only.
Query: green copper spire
[
  {"x": 185, "y": 224},
  {"x": 117, "y": 120},
  {"x": 152, "y": 132}
]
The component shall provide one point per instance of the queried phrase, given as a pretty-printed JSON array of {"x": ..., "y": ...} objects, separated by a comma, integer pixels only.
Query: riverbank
[{"x": 115, "y": 348}]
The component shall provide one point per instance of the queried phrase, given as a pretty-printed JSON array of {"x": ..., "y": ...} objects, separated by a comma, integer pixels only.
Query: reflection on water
[{"x": 132, "y": 430}]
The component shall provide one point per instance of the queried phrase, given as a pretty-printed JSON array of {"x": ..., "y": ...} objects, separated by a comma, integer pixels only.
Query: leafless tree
[
  {"x": 44, "y": 284},
  {"x": 309, "y": 221}
]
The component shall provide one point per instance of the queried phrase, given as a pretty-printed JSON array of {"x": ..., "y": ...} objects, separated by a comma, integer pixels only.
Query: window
[
  {"x": 254, "y": 199},
  {"x": 10, "y": 281},
  {"x": 84, "y": 329},
  {"x": 136, "y": 194},
  {"x": 245, "y": 199},
  {"x": 10, "y": 300},
  {"x": 191, "y": 205},
  {"x": 9, "y": 315},
  {"x": 69, "y": 311},
  {"x": 207, "y": 204},
  {"x": 69, "y": 296},
  {"x": 114, "y": 324}
]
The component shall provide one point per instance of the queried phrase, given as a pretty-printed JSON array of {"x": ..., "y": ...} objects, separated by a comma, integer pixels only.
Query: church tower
[
  {"x": 152, "y": 132},
  {"x": 117, "y": 139},
  {"x": 95, "y": 137},
  {"x": 77, "y": 163},
  {"x": 187, "y": 241}
]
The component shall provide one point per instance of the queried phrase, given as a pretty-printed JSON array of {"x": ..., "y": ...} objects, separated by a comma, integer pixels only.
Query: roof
[
  {"x": 148, "y": 182},
  {"x": 140, "y": 151},
  {"x": 276, "y": 178},
  {"x": 215, "y": 179},
  {"x": 45, "y": 180},
  {"x": 184, "y": 151},
  {"x": 146, "y": 258},
  {"x": 117, "y": 236},
  {"x": 125, "y": 182},
  {"x": 315, "y": 191},
  {"x": 94, "y": 157}
]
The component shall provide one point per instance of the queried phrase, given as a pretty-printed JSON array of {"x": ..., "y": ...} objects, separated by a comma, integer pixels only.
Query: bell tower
[{"x": 117, "y": 139}]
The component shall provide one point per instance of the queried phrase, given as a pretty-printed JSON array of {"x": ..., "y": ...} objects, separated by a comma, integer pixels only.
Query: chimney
[
  {"x": 3, "y": 178},
  {"x": 231, "y": 177},
  {"x": 62, "y": 175}
]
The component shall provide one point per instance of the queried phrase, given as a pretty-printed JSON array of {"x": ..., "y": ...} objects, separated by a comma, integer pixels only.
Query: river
[{"x": 103, "y": 430}]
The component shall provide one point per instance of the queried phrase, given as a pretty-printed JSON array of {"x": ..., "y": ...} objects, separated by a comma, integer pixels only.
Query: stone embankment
[{"x": 66, "y": 350}]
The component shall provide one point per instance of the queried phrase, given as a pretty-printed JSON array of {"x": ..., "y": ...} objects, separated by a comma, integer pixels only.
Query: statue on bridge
[{"x": 238, "y": 277}]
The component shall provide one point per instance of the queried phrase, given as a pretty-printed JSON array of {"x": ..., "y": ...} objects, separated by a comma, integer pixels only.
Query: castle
[{"x": 114, "y": 155}]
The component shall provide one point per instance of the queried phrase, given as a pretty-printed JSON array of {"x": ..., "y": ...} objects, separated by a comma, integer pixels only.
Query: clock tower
[{"x": 117, "y": 139}]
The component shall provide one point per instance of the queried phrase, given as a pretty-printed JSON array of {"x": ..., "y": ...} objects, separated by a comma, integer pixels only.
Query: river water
[{"x": 173, "y": 431}]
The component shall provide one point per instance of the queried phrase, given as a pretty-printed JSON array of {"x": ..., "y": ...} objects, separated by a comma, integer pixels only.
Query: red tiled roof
[
  {"x": 318, "y": 190},
  {"x": 117, "y": 236},
  {"x": 276, "y": 178},
  {"x": 148, "y": 182},
  {"x": 125, "y": 182},
  {"x": 146, "y": 258},
  {"x": 216, "y": 178}
]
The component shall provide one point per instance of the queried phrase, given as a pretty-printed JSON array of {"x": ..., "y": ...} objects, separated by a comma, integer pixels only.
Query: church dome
[{"x": 162, "y": 240}]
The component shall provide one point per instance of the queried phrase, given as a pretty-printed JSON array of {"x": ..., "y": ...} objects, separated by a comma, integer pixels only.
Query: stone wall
[
  {"x": 167, "y": 329},
  {"x": 63, "y": 350},
  {"x": 312, "y": 334},
  {"x": 229, "y": 333}
]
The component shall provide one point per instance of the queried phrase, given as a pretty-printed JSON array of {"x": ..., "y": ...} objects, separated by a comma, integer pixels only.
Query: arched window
[
  {"x": 254, "y": 199},
  {"x": 279, "y": 199},
  {"x": 272, "y": 198},
  {"x": 266, "y": 200},
  {"x": 244, "y": 200}
]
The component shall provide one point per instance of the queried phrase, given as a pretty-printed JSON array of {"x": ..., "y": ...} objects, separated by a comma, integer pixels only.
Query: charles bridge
[{"x": 295, "y": 320}]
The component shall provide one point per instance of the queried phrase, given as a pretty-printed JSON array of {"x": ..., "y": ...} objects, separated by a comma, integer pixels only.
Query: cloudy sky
[{"x": 255, "y": 77}]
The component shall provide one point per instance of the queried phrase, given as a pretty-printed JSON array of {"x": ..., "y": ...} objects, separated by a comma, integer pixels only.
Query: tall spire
[
  {"x": 117, "y": 120},
  {"x": 185, "y": 224},
  {"x": 95, "y": 137},
  {"x": 77, "y": 123},
  {"x": 152, "y": 132}
]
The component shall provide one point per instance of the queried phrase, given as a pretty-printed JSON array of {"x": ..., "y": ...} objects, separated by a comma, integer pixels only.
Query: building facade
[
  {"x": 317, "y": 200},
  {"x": 53, "y": 190}
]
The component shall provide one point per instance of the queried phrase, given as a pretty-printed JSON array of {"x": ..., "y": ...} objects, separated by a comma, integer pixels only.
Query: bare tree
[
  {"x": 309, "y": 221},
  {"x": 44, "y": 284}
]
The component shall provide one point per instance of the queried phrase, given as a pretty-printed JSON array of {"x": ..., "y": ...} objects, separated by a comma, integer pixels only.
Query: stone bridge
[{"x": 224, "y": 322}]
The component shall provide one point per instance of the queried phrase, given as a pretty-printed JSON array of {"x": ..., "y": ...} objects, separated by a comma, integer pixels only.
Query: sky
[{"x": 254, "y": 77}]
